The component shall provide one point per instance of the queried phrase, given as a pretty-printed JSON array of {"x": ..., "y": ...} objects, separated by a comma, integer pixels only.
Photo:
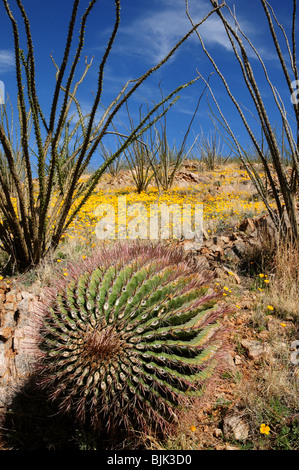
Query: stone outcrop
[
  {"x": 17, "y": 312},
  {"x": 222, "y": 251}
]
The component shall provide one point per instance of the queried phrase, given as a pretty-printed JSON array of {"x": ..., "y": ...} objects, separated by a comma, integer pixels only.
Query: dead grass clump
[
  {"x": 270, "y": 397},
  {"x": 284, "y": 287},
  {"x": 260, "y": 257}
]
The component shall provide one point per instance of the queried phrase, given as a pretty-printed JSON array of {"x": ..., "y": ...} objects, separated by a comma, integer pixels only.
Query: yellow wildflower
[
  {"x": 269, "y": 307},
  {"x": 193, "y": 428},
  {"x": 264, "y": 429}
]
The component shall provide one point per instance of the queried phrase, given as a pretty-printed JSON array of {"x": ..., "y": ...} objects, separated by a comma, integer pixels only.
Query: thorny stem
[{"x": 26, "y": 232}]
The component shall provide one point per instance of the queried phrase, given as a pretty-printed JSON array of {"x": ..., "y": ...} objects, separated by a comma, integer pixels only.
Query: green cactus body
[{"x": 131, "y": 338}]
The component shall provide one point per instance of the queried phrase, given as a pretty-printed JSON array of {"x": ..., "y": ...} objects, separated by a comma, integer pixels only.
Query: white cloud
[
  {"x": 152, "y": 35},
  {"x": 7, "y": 60},
  {"x": 157, "y": 31}
]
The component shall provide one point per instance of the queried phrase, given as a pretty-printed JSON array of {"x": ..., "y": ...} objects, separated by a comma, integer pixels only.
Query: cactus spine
[{"x": 131, "y": 337}]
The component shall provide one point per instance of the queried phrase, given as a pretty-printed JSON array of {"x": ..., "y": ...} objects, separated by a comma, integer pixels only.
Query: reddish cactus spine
[{"x": 131, "y": 336}]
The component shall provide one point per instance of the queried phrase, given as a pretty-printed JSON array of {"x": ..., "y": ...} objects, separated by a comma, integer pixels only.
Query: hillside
[{"x": 254, "y": 402}]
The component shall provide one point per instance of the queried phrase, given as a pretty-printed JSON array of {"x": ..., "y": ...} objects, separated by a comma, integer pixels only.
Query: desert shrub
[{"x": 35, "y": 213}]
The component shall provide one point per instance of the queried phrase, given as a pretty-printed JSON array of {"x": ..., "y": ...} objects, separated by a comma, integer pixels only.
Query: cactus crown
[{"x": 130, "y": 337}]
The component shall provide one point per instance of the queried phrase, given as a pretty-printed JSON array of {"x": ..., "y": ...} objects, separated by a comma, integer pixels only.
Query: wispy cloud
[
  {"x": 7, "y": 60},
  {"x": 152, "y": 34}
]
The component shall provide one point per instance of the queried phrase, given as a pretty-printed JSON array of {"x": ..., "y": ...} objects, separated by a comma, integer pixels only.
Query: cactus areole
[{"x": 129, "y": 337}]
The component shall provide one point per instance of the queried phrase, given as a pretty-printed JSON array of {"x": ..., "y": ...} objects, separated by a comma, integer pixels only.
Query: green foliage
[
  {"x": 115, "y": 167},
  {"x": 284, "y": 425},
  {"x": 34, "y": 214},
  {"x": 210, "y": 150},
  {"x": 130, "y": 337},
  {"x": 267, "y": 147},
  {"x": 288, "y": 437},
  {"x": 137, "y": 159},
  {"x": 166, "y": 161}
]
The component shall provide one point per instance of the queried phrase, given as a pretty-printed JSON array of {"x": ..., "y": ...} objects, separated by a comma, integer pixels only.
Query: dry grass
[
  {"x": 284, "y": 287},
  {"x": 267, "y": 391},
  {"x": 270, "y": 392}
]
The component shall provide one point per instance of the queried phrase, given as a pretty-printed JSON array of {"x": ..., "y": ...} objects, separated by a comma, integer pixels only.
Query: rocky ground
[{"x": 224, "y": 422}]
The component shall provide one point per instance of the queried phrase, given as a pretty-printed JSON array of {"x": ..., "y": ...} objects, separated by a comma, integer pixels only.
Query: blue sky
[{"x": 147, "y": 32}]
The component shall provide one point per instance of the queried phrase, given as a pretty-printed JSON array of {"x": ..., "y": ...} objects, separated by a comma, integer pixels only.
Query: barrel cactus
[{"x": 129, "y": 336}]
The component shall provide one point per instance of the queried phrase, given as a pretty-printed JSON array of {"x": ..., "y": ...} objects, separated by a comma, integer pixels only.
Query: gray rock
[
  {"x": 239, "y": 248},
  {"x": 16, "y": 350},
  {"x": 231, "y": 256},
  {"x": 255, "y": 349},
  {"x": 235, "y": 427}
]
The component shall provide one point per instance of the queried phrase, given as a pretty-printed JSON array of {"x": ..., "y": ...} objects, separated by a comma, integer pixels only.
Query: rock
[
  {"x": 264, "y": 334},
  {"x": 217, "y": 250},
  {"x": 228, "y": 361},
  {"x": 235, "y": 427},
  {"x": 204, "y": 250},
  {"x": 255, "y": 349},
  {"x": 239, "y": 248},
  {"x": 10, "y": 306},
  {"x": 224, "y": 239},
  {"x": 247, "y": 226},
  {"x": 27, "y": 295},
  {"x": 238, "y": 360},
  {"x": 5, "y": 333},
  {"x": 191, "y": 166},
  {"x": 10, "y": 297},
  {"x": 217, "y": 432},
  {"x": 17, "y": 315},
  {"x": 191, "y": 177},
  {"x": 219, "y": 273},
  {"x": 234, "y": 236},
  {"x": 230, "y": 255},
  {"x": 209, "y": 243}
]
